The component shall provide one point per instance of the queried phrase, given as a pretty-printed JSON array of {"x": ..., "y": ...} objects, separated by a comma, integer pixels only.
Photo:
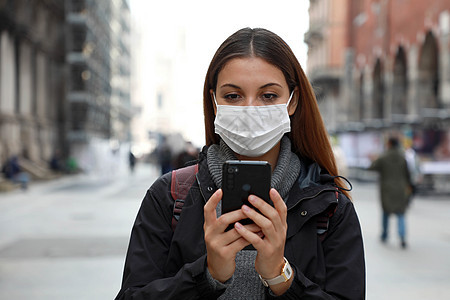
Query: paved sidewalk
[
  {"x": 422, "y": 271},
  {"x": 67, "y": 239}
]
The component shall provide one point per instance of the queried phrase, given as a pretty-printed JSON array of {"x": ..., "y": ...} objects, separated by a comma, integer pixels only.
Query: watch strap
[{"x": 286, "y": 274}]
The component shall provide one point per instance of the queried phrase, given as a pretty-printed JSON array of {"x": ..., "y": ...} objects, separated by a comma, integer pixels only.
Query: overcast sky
[{"x": 206, "y": 24}]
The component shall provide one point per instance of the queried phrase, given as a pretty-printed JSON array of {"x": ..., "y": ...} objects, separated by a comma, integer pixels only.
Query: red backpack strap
[
  {"x": 323, "y": 220},
  {"x": 182, "y": 181}
]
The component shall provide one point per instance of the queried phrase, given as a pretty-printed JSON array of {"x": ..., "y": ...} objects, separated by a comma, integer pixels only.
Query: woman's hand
[
  {"x": 222, "y": 246},
  {"x": 272, "y": 221}
]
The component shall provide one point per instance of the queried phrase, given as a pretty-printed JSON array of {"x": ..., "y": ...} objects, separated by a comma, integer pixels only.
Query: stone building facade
[
  {"x": 31, "y": 78},
  {"x": 98, "y": 90},
  {"x": 64, "y": 79}
]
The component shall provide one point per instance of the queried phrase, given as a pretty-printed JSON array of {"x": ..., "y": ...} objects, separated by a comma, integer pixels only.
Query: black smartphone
[{"x": 242, "y": 178}]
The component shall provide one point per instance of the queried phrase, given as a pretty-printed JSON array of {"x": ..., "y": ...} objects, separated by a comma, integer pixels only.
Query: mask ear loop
[
  {"x": 215, "y": 102},
  {"x": 289, "y": 101},
  {"x": 290, "y": 98}
]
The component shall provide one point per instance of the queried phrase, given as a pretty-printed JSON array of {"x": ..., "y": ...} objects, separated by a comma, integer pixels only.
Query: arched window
[
  {"x": 429, "y": 73},
  {"x": 400, "y": 83},
  {"x": 362, "y": 106},
  {"x": 378, "y": 91}
]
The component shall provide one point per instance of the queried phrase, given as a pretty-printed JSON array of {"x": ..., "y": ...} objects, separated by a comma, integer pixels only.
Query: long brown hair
[{"x": 308, "y": 134}]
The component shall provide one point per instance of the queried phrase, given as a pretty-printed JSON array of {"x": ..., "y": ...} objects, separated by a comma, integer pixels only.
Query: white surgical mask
[{"x": 252, "y": 130}]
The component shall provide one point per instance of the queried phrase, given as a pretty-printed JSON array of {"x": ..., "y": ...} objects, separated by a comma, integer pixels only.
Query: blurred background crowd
[{"x": 76, "y": 94}]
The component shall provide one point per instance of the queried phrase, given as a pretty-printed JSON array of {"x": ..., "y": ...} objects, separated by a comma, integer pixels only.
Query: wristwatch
[{"x": 286, "y": 274}]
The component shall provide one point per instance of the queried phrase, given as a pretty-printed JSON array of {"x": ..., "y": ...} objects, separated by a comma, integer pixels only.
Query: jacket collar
[
  {"x": 204, "y": 178},
  {"x": 311, "y": 181},
  {"x": 313, "y": 194}
]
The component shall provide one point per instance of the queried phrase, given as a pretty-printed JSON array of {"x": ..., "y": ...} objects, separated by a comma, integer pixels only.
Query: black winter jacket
[{"x": 162, "y": 264}]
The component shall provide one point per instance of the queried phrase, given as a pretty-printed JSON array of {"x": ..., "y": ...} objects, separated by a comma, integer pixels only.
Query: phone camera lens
[{"x": 232, "y": 170}]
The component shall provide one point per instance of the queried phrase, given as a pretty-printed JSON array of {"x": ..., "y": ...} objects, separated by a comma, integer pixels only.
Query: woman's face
[{"x": 252, "y": 81}]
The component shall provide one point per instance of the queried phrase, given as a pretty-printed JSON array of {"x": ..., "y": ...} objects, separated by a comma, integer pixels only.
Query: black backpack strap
[
  {"x": 323, "y": 220},
  {"x": 182, "y": 181}
]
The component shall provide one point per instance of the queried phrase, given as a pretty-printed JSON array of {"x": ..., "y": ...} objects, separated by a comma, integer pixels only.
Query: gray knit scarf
[{"x": 245, "y": 283}]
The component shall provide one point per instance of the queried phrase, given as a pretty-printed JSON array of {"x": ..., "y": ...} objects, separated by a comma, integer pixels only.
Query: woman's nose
[{"x": 251, "y": 101}]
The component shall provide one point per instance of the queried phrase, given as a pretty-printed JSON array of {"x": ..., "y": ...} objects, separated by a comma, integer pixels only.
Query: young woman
[{"x": 258, "y": 105}]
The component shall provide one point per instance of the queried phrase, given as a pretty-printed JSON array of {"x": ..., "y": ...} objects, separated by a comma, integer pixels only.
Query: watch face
[
  {"x": 288, "y": 271},
  {"x": 285, "y": 275}
]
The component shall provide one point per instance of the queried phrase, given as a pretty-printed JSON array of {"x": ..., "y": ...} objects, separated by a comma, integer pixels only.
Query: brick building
[
  {"x": 383, "y": 67},
  {"x": 401, "y": 58}
]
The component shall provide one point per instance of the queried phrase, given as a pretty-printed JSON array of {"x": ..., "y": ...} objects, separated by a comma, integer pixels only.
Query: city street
[{"x": 67, "y": 238}]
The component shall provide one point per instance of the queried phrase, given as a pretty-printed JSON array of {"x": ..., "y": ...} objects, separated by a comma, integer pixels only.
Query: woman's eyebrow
[
  {"x": 230, "y": 85},
  {"x": 261, "y": 87},
  {"x": 269, "y": 85}
]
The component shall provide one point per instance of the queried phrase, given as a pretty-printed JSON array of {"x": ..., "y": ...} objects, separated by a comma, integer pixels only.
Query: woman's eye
[
  {"x": 231, "y": 97},
  {"x": 269, "y": 97}
]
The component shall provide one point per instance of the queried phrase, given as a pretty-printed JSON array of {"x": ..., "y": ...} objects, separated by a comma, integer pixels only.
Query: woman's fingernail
[
  {"x": 245, "y": 208},
  {"x": 251, "y": 198},
  {"x": 238, "y": 225}
]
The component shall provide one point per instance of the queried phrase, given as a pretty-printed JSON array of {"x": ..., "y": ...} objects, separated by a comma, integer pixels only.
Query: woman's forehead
[{"x": 250, "y": 70}]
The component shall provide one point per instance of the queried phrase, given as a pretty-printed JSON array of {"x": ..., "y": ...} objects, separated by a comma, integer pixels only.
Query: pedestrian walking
[
  {"x": 186, "y": 156},
  {"x": 164, "y": 155},
  {"x": 308, "y": 245},
  {"x": 131, "y": 161},
  {"x": 395, "y": 187},
  {"x": 415, "y": 172}
]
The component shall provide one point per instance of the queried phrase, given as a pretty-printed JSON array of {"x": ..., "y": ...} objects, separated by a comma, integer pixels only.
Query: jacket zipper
[{"x": 200, "y": 188}]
